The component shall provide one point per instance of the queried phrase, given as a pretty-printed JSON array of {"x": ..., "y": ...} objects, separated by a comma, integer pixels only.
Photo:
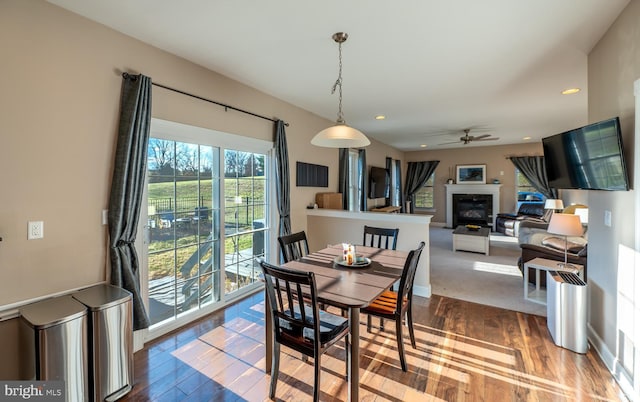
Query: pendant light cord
[{"x": 338, "y": 85}]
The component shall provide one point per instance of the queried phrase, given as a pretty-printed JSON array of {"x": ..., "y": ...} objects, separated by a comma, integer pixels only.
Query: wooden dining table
[{"x": 350, "y": 288}]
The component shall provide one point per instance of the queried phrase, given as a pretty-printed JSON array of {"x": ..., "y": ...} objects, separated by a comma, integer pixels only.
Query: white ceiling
[{"x": 433, "y": 67}]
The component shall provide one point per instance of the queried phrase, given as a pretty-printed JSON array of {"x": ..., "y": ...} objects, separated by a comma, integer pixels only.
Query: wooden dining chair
[
  {"x": 298, "y": 325},
  {"x": 380, "y": 237},
  {"x": 394, "y": 305},
  {"x": 293, "y": 246}
]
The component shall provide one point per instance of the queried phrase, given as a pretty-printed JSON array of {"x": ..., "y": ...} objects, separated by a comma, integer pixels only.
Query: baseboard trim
[
  {"x": 424, "y": 291},
  {"x": 613, "y": 364}
]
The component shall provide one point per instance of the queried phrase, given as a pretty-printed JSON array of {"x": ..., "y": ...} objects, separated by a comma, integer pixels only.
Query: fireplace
[
  {"x": 472, "y": 209},
  {"x": 492, "y": 190}
]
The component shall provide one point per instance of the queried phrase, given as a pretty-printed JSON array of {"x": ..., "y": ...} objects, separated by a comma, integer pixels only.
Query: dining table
[{"x": 346, "y": 287}]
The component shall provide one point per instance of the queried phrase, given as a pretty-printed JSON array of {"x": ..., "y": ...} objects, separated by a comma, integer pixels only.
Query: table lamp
[
  {"x": 555, "y": 205},
  {"x": 565, "y": 225}
]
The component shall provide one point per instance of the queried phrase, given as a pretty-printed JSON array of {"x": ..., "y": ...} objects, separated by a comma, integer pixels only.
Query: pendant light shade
[{"x": 340, "y": 135}]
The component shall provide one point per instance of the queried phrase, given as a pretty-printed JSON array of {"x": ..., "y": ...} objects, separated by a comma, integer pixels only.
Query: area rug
[{"x": 493, "y": 280}]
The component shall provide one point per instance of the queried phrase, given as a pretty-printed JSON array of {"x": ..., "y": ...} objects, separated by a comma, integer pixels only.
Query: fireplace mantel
[{"x": 493, "y": 189}]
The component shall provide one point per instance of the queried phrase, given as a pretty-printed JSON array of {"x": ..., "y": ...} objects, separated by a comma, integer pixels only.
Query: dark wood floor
[{"x": 466, "y": 352}]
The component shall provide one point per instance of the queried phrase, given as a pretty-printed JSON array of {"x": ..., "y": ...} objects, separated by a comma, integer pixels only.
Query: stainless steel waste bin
[
  {"x": 110, "y": 340},
  {"x": 54, "y": 344}
]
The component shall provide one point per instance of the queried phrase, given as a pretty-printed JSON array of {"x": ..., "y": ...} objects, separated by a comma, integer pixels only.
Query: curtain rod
[
  {"x": 224, "y": 105},
  {"x": 518, "y": 156}
]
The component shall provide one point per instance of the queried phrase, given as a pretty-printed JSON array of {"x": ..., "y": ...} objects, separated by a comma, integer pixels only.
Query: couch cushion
[
  {"x": 531, "y": 209},
  {"x": 559, "y": 244}
]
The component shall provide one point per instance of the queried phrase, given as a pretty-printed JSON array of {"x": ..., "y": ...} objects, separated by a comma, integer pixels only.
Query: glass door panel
[{"x": 183, "y": 214}]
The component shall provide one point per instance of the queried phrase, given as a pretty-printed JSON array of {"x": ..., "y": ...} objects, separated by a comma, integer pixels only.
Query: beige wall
[
  {"x": 614, "y": 65},
  {"x": 492, "y": 156},
  {"x": 60, "y": 83}
]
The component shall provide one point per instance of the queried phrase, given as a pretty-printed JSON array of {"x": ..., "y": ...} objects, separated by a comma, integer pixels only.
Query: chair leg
[
  {"x": 403, "y": 364},
  {"x": 316, "y": 380},
  {"x": 275, "y": 367},
  {"x": 410, "y": 322},
  {"x": 381, "y": 324},
  {"x": 347, "y": 359}
]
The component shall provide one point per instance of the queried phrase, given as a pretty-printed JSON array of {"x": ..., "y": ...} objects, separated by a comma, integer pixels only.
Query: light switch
[{"x": 607, "y": 218}]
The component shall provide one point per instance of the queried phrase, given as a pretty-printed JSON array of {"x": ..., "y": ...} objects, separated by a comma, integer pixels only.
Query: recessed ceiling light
[
  {"x": 423, "y": 145},
  {"x": 570, "y": 91},
  {"x": 526, "y": 138},
  {"x": 381, "y": 117}
]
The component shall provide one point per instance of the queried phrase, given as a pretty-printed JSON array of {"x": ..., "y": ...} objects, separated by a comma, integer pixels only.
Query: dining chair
[
  {"x": 376, "y": 237},
  {"x": 294, "y": 246},
  {"x": 394, "y": 305},
  {"x": 298, "y": 325}
]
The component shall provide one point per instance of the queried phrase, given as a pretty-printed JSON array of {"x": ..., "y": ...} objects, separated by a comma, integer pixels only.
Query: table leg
[
  {"x": 537, "y": 281},
  {"x": 354, "y": 366},
  {"x": 526, "y": 282},
  {"x": 268, "y": 333}
]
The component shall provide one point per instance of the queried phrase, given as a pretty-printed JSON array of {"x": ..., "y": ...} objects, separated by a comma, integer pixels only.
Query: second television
[{"x": 378, "y": 183}]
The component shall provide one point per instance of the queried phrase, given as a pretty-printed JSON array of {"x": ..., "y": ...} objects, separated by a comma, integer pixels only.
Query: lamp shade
[
  {"x": 340, "y": 136},
  {"x": 553, "y": 204},
  {"x": 565, "y": 224}
]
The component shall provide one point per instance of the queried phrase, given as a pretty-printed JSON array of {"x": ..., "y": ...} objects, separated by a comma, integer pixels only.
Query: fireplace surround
[{"x": 473, "y": 189}]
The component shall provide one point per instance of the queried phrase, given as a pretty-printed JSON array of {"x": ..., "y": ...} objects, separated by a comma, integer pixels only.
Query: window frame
[{"x": 432, "y": 208}]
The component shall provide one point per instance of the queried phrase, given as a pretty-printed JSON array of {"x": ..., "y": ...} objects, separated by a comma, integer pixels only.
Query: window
[
  {"x": 396, "y": 196},
  {"x": 424, "y": 196},
  {"x": 354, "y": 181},
  {"x": 525, "y": 192}
]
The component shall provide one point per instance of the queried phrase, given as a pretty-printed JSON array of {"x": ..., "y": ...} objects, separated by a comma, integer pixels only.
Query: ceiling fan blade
[
  {"x": 486, "y": 139},
  {"x": 480, "y": 137}
]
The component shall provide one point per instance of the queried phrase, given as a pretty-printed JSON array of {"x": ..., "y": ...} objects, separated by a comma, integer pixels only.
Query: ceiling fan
[{"x": 469, "y": 138}]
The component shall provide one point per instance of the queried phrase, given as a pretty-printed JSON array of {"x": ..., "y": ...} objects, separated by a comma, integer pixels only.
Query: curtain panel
[
  {"x": 343, "y": 176},
  {"x": 283, "y": 189},
  {"x": 362, "y": 175},
  {"x": 417, "y": 175},
  {"x": 387, "y": 165},
  {"x": 127, "y": 186},
  {"x": 532, "y": 167}
]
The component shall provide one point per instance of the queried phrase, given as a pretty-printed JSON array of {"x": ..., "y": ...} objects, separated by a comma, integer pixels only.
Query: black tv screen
[
  {"x": 378, "y": 183},
  {"x": 587, "y": 158}
]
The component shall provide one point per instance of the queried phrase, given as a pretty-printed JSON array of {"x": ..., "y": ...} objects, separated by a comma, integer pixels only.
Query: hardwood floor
[{"x": 466, "y": 352}]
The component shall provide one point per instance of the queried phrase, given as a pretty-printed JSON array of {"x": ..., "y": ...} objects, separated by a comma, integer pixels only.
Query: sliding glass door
[{"x": 207, "y": 201}]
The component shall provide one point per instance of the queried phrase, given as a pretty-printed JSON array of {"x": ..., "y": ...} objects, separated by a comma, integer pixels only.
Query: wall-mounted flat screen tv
[
  {"x": 587, "y": 158},
  {"x": 378, "y": 183}
]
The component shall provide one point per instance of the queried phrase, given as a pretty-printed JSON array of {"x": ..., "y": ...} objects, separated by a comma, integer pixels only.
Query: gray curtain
[
  {"x": 127, "y": 186},
  {"x": 362, "y": 176},
  {"x": 343, "y": 176},
  {"x": 417, "y": 175},
  {"x": 387, "y": 165},
  {"x": 282, "y": 179},
  {"x": 398, "y": 189},
  {"x": 532, "y": 167}
]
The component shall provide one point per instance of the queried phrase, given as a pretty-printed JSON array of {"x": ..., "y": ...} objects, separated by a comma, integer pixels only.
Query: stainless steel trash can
[
  {"x": 567, "y": 310},
  {"x": 110, "y": 340},
  {"x": 54, "y": 344}
]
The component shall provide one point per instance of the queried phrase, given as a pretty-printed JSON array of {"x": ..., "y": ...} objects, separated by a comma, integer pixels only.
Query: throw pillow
[{"x": 559, "y": 244}]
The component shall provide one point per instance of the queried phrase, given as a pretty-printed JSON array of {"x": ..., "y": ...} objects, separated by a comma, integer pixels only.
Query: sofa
[
  {"x": 536, "y": 242},
  {"x": 533, "y": 214}
]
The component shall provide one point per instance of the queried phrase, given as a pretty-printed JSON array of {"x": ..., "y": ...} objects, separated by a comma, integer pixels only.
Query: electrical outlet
[{"x": 35, "y": 230}]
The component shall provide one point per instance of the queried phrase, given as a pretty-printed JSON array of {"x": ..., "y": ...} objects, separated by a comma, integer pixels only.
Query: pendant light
[{"x": 340, "y": 135}]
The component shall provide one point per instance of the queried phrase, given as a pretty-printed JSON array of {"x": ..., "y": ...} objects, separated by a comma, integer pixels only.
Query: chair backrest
[
  {"x": 380, "y": 237},
  {"x": 289, "y": 313},
  {"x": 294, "y": 246},
  {"x": 405, "y": 290}
]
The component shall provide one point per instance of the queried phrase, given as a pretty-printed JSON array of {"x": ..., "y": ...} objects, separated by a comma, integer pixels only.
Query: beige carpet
[{"x": 493, "y": 280}]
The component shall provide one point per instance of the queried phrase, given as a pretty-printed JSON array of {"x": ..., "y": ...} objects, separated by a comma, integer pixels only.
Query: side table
[{"x": 543, "y": 264}]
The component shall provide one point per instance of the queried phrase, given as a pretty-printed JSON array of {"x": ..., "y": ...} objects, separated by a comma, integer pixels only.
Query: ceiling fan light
[{"x": 340, "y": 136}]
